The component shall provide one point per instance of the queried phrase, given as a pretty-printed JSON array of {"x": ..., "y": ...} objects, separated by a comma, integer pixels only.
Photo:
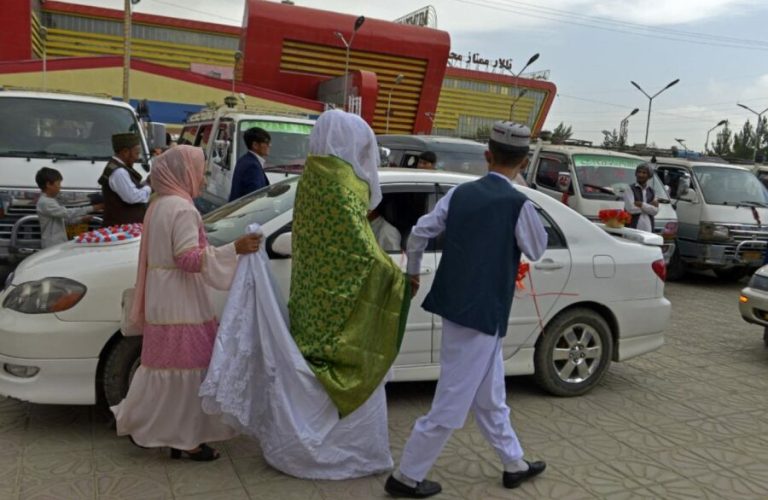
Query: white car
[{"x": 599, "y": 297}]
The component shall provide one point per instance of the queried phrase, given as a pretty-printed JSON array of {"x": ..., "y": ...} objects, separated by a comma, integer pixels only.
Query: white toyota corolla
[{"x": 594, "y": 297}]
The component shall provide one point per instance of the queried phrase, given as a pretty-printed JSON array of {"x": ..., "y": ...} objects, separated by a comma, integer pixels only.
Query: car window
[
  {"x": 222, "y": 150},
  {"x": 187, "y": 136},
  {"x": 671, "y": 176},
  {"x": 229, "y": 222},
  {"x": 550, "y": 167},
  {"x": 555, "y": 238},
  {"x": 401, "y": 207}
]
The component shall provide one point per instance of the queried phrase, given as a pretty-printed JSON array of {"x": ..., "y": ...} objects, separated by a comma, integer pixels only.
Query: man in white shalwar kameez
[{"x": 487, "y": 224}]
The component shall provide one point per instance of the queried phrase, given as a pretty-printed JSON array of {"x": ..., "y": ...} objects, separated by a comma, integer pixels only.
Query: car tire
[
  {"x": 121, "y": 363},
  {"x": 731, "y": 275},
  {"x": 676, "y": 267},
  {"x": 573, "y": 353}
]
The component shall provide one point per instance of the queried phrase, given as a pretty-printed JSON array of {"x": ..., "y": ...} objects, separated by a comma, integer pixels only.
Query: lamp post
[
  {"x": 623, "y": 127},
  {"x": 398, "y": 79},
  {"x": 757, "y": 128},
  {"x": 238, "y": 55},
  {"x": 127, "y": 48},
  {"x": 44, "y": 38},
  {"x": 518, "y": 94},
  {"x": 682, "y": 143},
  {"x": 348, "y": 45},
  {"x": 706, "y": 142},
  {"x": 650, "y": 103}
]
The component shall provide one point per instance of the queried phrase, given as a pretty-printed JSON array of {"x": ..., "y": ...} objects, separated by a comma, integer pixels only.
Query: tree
[
  {"x": 612, "y": 140},
  {"x": 561, "y": 133},
  {"x": 483, "y": 133},
  {"x": 722, "y": 146},
  {"x": 744, "y": 142}
]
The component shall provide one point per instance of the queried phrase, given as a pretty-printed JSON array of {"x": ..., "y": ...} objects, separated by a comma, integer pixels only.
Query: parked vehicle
[
  {"x": 453, "y": 154},
  {"x": 596, "y": 180},
  {"x": 722, "y": 210},
  {"x": 290, "y": 145},
  {"x": 69, "y": 132},
  {"x": 67, "y": 352},
  {"x": 753, "y": 301}
]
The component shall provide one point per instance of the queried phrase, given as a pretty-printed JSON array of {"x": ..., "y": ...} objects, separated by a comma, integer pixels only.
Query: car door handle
[
  {"x": 548, "y": 265},
  {"x": 425, "y": 270}
]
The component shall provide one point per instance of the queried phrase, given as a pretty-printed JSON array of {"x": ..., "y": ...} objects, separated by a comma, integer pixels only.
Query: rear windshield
[
  {"x": 290, "y": 141},
  {"x": 49, "y": 128}
]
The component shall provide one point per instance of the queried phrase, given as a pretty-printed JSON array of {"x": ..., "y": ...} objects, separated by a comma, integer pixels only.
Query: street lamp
[
  {"x": 518, "y": 95},
  {"x": 44, "y": 38},
  {"x": 348, "y": 45},
  {"x": 127, "y": 48},
  {"x": 623, "y": 127},
  {"x": 650, "y": 102},
  {"x": 757, "y": 128},
  {"x": 706, "y": 142},
  {"x": 238, "y": 55},
  {"x": 398, "y": 79},
  {"x": 682, "y": 143},
  {"x": 512, "y": 106}
]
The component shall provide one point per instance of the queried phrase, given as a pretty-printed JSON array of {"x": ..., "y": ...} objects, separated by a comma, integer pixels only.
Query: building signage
[
  {"x": 476, "y": 58},
  {"x": 425, "y": 17}
]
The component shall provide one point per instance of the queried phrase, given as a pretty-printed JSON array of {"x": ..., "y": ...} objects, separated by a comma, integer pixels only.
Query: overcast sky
[{"x": 592, "y": 48}]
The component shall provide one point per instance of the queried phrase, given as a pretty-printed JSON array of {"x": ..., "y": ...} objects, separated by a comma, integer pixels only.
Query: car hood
[{"x": 78, "y": 261}]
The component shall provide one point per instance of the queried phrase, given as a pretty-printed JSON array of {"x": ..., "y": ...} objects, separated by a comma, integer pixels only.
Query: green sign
[
  {"x": 285, "y": 127},
  {"x": 605, "y": 161}
]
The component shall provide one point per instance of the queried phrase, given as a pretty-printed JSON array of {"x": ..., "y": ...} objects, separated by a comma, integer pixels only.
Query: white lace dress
[{"x": 261, "y": 385}]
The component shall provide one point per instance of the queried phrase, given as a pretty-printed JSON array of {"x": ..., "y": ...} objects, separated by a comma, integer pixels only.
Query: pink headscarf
[{"x": 177, "y": 172}]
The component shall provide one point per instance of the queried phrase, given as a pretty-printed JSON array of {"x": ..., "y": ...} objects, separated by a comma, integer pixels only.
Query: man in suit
[
  {"x": 487, "y": 225},
  {"x": 249, "y": 173},
  {"x": 125, "y": 195}
]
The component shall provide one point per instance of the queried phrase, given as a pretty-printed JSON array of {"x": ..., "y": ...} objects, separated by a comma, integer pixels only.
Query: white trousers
[{"x": 471, "y": 377}]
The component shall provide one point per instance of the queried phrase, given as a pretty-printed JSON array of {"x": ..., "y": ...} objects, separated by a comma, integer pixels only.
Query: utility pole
[{"x": 126, "y": 50}]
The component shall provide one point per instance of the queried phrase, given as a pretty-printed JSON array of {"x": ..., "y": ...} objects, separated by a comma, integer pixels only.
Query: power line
[{"x": 190, "y": 9}]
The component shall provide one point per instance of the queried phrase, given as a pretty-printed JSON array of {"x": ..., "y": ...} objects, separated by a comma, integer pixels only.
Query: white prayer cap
[{"x": 512, "y": 136}]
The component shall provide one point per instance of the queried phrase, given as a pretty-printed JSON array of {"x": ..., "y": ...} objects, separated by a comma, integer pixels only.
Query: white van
[
  {"x": 290, "y": 145},
  {"x": 723, "y": 212},
  {"x": 598, "y": 179},
  {"x": 71, "y": 133}
]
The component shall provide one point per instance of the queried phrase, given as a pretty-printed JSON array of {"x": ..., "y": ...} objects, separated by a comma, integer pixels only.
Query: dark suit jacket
[{"x": 248, "y": 176}]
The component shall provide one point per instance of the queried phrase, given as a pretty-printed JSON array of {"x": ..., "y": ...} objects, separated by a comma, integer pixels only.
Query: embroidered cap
[
  {"x": 124, "y": 141},
  {"x": 510, "y": 135}
]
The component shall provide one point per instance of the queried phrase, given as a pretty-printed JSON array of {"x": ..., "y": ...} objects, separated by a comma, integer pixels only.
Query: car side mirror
[
  {"x": 221, "y": 149},
  {"x": 282, "y": 245},
  {"x": 156, "y": 136},
  {"x": 564, "y": 182}
]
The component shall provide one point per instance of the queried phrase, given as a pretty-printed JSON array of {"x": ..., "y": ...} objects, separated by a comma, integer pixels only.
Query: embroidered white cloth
[{"x": 261, "y": 385}]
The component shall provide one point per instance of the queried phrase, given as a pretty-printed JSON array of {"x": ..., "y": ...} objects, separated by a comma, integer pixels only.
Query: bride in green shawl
[{"x": 348, "y": 302}]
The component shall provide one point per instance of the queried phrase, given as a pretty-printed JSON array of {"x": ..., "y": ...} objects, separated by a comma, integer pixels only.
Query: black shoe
[
  {"x": 423, "y": 489},
  {"x": 515, "y": 479}
]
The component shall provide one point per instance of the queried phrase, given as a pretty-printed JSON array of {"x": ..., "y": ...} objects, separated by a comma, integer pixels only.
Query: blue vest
[{"x": 475, "y": 282}]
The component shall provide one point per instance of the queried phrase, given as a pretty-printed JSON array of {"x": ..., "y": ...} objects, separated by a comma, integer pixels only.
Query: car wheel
[
  {"x": 573, "y": 353},
  {"x": 732, "y": 274},
  {"x": 676, "y": 267},
  {"x": 122, "y": 362}
]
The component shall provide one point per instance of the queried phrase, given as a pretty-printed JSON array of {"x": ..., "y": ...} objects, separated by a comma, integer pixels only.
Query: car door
[
  {"x": 401, "y": 206},
  {"x": 536, "y": 300}
]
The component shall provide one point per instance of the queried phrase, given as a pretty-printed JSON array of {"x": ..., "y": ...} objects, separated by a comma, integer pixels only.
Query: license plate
[{"x": 752, "y": 256}]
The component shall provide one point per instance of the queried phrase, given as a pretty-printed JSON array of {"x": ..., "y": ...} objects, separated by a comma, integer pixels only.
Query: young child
[{"x": 53, "y": 216}]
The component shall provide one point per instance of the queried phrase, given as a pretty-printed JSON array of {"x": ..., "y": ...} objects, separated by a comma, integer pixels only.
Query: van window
[
  {"x": 53, "y": 128},
  {"x": 188, "y": 135},
  {"x": 290, "y": 141},
  {"x": 550, "y": 167}
]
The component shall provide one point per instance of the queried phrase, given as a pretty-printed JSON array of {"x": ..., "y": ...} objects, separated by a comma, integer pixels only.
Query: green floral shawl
[{"x": 349, "y": 301}]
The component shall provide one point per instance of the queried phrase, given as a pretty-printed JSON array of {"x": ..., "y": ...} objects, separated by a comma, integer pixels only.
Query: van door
[
  {"x": 688, "y": 213},
  {"x": 221, "y": 159}
]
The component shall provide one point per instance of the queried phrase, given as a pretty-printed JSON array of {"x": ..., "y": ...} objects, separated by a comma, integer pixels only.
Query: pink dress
[{"x": 162, "y": 407}]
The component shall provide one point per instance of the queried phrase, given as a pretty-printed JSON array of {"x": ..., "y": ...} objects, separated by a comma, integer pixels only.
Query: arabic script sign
[
  {"x": 425, "y": 16},
  {"x": 476, "y": 58}
]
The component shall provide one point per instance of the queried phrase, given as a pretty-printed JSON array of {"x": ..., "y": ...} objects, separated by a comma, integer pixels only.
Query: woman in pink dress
[{"x": 172, "y": 301}]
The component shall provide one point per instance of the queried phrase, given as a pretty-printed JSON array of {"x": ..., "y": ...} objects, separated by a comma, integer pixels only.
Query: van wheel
[
  {"x": 676, "y": 267},
  {"x": 122, "y": 362},
  {"x": 573, "y": 353}
]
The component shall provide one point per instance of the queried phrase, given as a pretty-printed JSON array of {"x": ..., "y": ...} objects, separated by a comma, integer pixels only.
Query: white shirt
[
  {"x": 262, "y": 161},
  {"x": 121, "y": 183},
  {"x": 646, "y": 211},
  {"x": 386, "y": 234},
  {"x": 529, "y": 232}
]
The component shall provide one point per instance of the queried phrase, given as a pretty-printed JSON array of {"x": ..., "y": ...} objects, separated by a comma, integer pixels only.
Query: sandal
[{"x": 204, "y": 454}]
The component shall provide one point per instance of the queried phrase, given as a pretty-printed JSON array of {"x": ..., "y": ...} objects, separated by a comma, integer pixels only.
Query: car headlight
[
  {"x": 758, "y": 282},
  {"x": 48, "y": 295},
  {"x": 713, "y": 232}
]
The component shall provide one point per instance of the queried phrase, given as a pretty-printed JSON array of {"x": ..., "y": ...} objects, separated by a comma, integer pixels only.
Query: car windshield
[
  {"x": 730, "y": 186},
  {"x": 51, "y": 128},
  {"x": 468, "y": 162},
  {"x": 290, "y": 141},
  {"x": 226, "y": 224},
  {"x": 606, "y": 177}
]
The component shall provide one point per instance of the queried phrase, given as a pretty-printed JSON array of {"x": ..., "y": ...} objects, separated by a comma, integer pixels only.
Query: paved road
[{"x": 684, "y": 422}]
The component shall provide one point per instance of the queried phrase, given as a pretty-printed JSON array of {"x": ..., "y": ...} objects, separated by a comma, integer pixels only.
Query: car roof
[
  {"x": 390, "y": 175},
  {"x": 686, "y": 162},
  {"x": 564, "y": 148},
  {"x": 54, "y": 96},
  {"x": 246, "y": 116},
  {"x": 435, "y": 143}
]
